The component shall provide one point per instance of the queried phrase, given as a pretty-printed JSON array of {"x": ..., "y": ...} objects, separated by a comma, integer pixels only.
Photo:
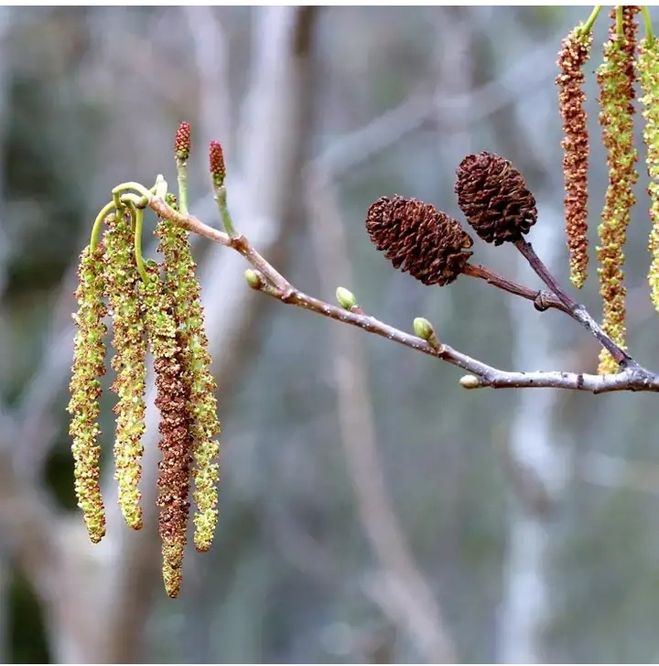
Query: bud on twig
[
  {"x": 424, "y": 329},
  {"x": 345, "y": 298},
  {"x": 253, "y": 279},
  {"x": 470, "y": 382}
]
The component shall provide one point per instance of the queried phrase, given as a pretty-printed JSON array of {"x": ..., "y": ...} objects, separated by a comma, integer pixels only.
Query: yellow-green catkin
[
  {"x": 129, "y": 344},
  {"x": 616, "y": 80},
  {"x": 175, "y": 445},
  {"x": 85, "y": 387},
  {"x": 648, "y": 74},
  {"x": 184, "y": 289}
]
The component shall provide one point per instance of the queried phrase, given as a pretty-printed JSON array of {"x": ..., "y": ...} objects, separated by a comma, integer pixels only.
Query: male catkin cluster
[{"x": 160, "y": 309}]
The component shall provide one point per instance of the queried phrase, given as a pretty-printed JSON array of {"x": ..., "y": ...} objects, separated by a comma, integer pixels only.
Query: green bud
[
  {"x": 423, "y": 328},
  {"x": 253, "y": 278},
  {"x": 345, "y": 298}
]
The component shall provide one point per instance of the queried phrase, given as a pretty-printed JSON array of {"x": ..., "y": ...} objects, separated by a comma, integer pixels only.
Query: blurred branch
[
  {"x": 210, "y": 54},
  {"x": 603, "y": 469},
  {"x": 422, "y": 106},
  {"x": 406, "y": 597}
]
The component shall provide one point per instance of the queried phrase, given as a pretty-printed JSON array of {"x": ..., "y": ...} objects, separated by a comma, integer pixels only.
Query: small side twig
[{"x": 575, "y": 310}]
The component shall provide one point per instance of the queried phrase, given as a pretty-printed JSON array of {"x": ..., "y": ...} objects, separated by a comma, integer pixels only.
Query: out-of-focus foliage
[{"x": 90, "y": 97}]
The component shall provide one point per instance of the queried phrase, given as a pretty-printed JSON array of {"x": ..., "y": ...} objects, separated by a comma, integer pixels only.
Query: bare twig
[
  {"x": 632, "y": 376},
  {"x": 575, "y": 310}
]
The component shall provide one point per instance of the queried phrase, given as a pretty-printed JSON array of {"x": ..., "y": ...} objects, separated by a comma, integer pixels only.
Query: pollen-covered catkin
[
  {"x": 575, "y": 51},
  {"x": 129, "y": 344},
  {"x": 85, "y": 387},
  {"x": 172, "y": 401},
  {"x": 616, "y": 79},
  {"x": 648, "y": 74},
  {"x": 184, "y": 290}
]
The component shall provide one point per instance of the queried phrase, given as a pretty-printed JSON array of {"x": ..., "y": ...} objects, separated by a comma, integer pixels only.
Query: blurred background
[{"x": 371, "y": 509}]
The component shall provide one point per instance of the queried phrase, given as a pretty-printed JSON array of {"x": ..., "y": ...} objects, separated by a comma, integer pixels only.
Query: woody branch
[{"x": 269, "y": 281}]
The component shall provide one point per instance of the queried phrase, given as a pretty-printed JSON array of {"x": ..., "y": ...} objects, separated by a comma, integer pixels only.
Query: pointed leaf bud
[
  {"x": 424, "y": 329},
  {"x": 253, "y": 279},
  {"x": 345, "y": 298}
]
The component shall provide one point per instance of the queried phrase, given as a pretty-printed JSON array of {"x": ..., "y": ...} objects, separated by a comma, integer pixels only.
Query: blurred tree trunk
[{"x": 536, "y": 469}]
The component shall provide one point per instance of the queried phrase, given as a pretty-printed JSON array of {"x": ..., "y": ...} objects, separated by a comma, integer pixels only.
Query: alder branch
[{"x": 632, "y": 376}]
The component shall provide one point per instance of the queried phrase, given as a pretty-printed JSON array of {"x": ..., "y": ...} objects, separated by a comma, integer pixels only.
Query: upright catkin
[
  {"x": 129, "y": 344},
  {"x": 172, "y": 401},
  {"x": 648, "y": 74},
  {"x": 575, "y": 51},
  {"x": 85, "y": 388},
  {"x": 184, "y": 290},
  {"x": 616, "y": 79}
]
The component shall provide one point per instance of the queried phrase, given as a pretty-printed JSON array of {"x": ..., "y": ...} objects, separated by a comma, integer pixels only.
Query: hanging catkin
[
  {"x": 575, "y": 51},
  {"x": 616, "y": 79},
  {"x": 648, "y": 75}
]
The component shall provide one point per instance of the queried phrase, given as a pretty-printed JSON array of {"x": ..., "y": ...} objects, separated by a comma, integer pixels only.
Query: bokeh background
[{"x": 371, "y": 509}]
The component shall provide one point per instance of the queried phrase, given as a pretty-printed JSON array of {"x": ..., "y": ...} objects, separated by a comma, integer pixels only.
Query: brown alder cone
[
  {"x": 575, "y": 51},
  {"x": 493, "y": 196},
  {"x": 419, "y": 239}
]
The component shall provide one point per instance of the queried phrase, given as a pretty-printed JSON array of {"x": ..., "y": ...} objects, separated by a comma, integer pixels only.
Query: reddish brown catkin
[
  {"x": 575, "y": 51},
  {"x": 184, "y": 289},
  {"x": 616, "y": 79},
  {"x": 175, "y": 445}
]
